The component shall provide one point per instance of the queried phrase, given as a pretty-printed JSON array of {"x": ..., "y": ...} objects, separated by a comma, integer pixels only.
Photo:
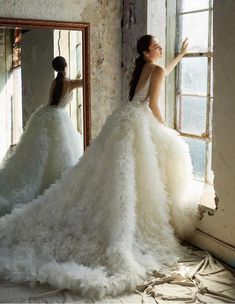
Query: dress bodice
[
  {"x": 142, "y": 96},
  {"x": 64, "y": 100}
]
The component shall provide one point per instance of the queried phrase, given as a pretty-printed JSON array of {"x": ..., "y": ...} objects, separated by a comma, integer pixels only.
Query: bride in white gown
[
  {"x": 48, "y": 147},
  {"x": 112, "y": 218}
]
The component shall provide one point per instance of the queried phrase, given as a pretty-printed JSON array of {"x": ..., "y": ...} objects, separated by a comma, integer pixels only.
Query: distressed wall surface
[
  {"x": 105, "y": 18},
  {"x": 134, "y": 26}
]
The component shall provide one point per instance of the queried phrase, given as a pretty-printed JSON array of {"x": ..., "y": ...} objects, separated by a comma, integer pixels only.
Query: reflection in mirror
[
  {"x": 26, "y": 75},
  {"x": 38, "y": 141}
]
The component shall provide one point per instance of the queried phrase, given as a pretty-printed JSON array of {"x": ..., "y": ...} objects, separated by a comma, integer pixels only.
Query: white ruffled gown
[
  {"x": 110, "y": 220},
  {"x": 49, "y": 146}
]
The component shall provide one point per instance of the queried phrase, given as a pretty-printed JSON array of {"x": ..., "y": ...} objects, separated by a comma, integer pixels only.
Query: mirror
[
  {"x": 27, "y": 48},
  {"x": 38, "y": 141}
]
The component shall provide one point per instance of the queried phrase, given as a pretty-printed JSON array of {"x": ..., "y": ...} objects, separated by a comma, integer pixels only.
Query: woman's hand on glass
[
  {"x": 183, "y": 50},
  {"x": 184, "y": 47},
  {"x": 79, "y": 75}
]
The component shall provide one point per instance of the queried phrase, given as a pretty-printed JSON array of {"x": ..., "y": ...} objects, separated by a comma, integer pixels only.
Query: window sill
[
  {"x": 208, "y": 200},
  {"x": 208, "y": 196}
]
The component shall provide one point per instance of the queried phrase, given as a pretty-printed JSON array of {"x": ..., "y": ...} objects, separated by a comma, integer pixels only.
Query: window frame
[{"x": 172, "y": 88}]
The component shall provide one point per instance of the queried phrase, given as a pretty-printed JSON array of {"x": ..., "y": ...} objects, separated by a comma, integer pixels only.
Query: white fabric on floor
[{"x": 198, "y": 279}]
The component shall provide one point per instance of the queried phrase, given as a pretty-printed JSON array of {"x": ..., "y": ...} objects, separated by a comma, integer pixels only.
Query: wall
[
  {"x": 218, "y": 231},
  {"x": 104, "y": 17},
  {"x": 37, "y": 74},
  {"x": 134, "y": 26}
]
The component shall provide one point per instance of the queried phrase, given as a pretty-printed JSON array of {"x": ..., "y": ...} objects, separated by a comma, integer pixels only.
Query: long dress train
[
  {"x": 111, "y": 219},
  {"x": 49, "y": 146}
]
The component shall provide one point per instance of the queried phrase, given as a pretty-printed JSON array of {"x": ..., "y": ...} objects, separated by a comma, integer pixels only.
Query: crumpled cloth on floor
[{"x": 200, "y": 278}]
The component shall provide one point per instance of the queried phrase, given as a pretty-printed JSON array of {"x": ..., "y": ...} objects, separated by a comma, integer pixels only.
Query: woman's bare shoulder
[
  {"x": 158, "y": 67},
  {"x": 158, "y": 70}
]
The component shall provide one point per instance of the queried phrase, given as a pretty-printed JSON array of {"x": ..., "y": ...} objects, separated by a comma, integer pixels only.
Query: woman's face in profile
[{"x": 155, "y": 49}]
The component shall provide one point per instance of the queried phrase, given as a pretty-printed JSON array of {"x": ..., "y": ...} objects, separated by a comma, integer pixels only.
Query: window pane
[
  {"x": 193, "y": 75},
  {"x": 198, "y": 154},
  {"x": 195, "y": 27},
  {"x": 192, "y": 115},
  {"x": 192, "y": 5}
]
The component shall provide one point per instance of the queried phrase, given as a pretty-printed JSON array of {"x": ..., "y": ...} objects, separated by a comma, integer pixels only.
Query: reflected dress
[{"x": 47, "y": 148}]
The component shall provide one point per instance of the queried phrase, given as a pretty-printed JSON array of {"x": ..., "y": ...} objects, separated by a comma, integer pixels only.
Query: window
[
  {"x": 193, "y": 96},
  {"x": 189, "y": 91},
  {"x": 10, "y": 94}
]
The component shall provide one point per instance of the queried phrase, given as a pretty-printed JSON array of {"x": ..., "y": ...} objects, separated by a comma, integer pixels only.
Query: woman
[
  {"x": 111, "y": 219},
  {"x": 48, "y": 147}
]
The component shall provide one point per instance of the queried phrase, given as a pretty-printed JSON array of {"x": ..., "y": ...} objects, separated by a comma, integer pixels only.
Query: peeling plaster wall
[
  {"x": 222, "y": 225},
  {"x": 134, "y": 26},
  {"x": 105, "y": 18}
]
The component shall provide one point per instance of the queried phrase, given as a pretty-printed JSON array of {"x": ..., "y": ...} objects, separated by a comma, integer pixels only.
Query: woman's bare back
[
  {"x": 65, "y": 89},
  {"x": 145, "y": 74}
]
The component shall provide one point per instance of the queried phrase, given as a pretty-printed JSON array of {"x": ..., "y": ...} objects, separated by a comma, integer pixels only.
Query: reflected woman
[{"x": 47, "y": 148}]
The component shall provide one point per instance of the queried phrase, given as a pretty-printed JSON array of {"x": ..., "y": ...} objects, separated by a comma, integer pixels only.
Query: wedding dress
[
  {"x": 49, "y": 146},
  {"x": 111, "y": 219}
]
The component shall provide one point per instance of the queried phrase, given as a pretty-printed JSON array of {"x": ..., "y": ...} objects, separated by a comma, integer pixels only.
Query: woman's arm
[
  {"x": 157, "y": 78},
  {"x": 184, "y": 48},
  {"x": 76, "y": 83}
]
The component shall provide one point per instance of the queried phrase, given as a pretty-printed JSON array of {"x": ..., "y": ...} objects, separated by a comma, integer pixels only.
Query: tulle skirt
[
  {"x": 112, "y": 218},
  {"x": 47, "y": 148}
]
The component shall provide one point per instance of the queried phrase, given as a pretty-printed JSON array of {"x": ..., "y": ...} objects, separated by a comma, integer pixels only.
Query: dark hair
[
  {"x": 59, "y": 64},
  {"x": 142, "y": 45}
]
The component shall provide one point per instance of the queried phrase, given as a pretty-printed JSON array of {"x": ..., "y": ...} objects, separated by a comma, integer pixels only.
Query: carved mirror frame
[{"x": 66, "y": 25}]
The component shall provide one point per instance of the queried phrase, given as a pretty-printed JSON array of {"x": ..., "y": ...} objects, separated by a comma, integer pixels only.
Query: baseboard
[{"x": 215, "y": 246}]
